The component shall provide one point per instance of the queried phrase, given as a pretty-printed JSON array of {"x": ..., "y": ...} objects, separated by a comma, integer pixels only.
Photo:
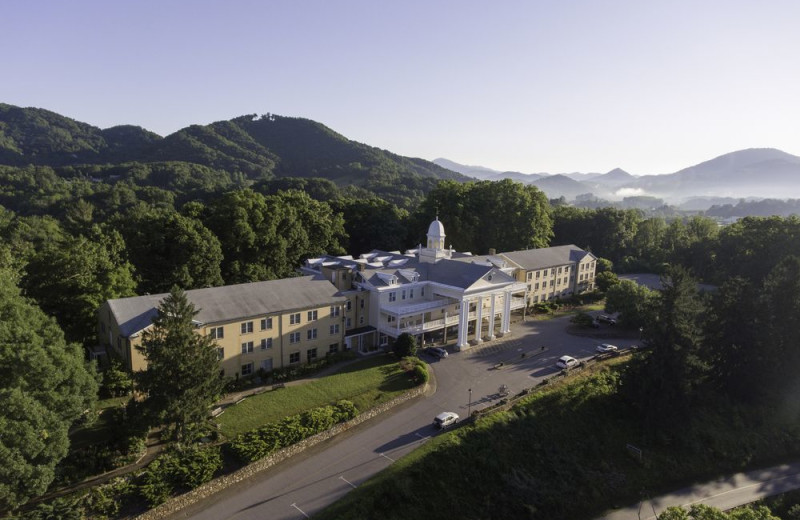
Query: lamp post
[{"x": 469, "y": 404}]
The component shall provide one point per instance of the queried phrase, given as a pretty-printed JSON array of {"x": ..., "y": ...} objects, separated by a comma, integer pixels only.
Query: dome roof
[{"x": 436, "y": 229}]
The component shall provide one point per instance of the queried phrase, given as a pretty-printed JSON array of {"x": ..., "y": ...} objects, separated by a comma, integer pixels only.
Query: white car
[
  {"x": 567, "y": 362},
  {"x": 606, "y": 348},
  {"x": 445, "y": 419}
]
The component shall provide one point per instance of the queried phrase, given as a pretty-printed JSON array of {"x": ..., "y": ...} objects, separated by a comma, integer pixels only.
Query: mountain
[
  {"x": 487, "y": 174},
  {"x": 257, "y": 147},
  {"x": 38, "y": 136},
  {"x": 616, "y": 177},
  {"x": 555, "y": 186},
  {"x": 755, "y": 172}
]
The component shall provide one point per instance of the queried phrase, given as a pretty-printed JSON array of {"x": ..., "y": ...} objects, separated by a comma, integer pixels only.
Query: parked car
[
  {"x": 567, "y": 362},
  {"x": 445, "y": 419},
  {"x": 606, "y": 348},
  {"x": 437, "y": 352},
  {"x": 606, "y": 319}
]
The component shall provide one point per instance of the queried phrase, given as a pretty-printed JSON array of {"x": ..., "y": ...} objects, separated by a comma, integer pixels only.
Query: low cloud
[{"x": 629, "y": 192}]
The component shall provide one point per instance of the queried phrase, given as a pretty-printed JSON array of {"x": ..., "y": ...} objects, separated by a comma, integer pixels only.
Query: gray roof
[
  {"x": 231, "y": 302},
  {"x": 546, "y": 257}
]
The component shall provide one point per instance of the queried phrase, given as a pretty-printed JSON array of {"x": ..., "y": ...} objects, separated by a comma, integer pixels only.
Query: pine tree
[{"x": 182, "y": 379}]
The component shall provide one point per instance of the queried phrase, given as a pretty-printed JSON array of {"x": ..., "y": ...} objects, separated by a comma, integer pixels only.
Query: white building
[{"x": 435, "y": 292}]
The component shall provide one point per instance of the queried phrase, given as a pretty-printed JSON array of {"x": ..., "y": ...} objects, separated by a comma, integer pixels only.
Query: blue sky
[{"x": 556, "y": 86}]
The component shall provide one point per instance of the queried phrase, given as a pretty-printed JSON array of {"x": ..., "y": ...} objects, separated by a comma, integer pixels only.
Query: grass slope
[
  {"x": 561, "y": 454},
  {"x": 366, "y": 383}
]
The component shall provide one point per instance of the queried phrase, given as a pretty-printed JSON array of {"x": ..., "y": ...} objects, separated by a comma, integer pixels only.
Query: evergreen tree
[
  {"x": 662, "y": 383},
  {"x": 182, "y": 379}
]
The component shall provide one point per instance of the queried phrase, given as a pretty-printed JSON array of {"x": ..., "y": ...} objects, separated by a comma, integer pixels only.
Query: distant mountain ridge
[
  {"x": 259, "y": 147},
  {"x": 754, "y": 172}
]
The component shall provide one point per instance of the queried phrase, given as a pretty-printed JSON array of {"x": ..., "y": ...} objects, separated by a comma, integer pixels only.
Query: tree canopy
[{"x": 45, "y": 387}]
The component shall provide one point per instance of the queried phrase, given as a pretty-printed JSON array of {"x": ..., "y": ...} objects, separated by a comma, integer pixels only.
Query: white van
[{"x": 445, "y": 419}]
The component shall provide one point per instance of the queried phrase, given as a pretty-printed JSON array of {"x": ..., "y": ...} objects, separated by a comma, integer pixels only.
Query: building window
[
  {"x": 349, "y": 323},
  {"x": 247, "y": 327},
  {"x": 552, "y": 283},
  {"x": 422, "y": 291},
  {"x": 362, "y": 303},
  {"x": 403, "y": 296},
  {"x": 335, "y": 311},
  {"x": 217, "y": 332},
  {"x": 220, "y": 353},
  {"x": 392, "y": 296},
  {"x": 349, "y": 305},
  {"x": 247, "y": 347},
  {"x": 411, "y": 294},
  {"x": 311, "y": 354},
  {"x": 311, "y": 334},
  {"x": 537, "y": 274},
  {"x": 266, "y": 343},
  {"x": 294, "y": 337},
  {"x": 391, "y": 319},
  {"x": 536, "y": 287},
  {"x": 294, "y": 319},
  {"x": 247, "y": 369},
  {"x": 333, "y": 348},
  {"x": 334, "y": 329},
  {"x": 559, "y": 270},
  {"x": 312, "y": 315},
  {"x": 361, "y": 320},
  {"x": 266, "y": 323},
  {"x": 294, "y": 357}
]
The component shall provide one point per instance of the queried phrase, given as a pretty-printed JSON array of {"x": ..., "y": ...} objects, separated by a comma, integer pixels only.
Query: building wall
[{"x": 274, "y": 340}]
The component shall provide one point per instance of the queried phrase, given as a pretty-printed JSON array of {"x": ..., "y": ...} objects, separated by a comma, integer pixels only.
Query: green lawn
[{"x": 367, "y": 383}]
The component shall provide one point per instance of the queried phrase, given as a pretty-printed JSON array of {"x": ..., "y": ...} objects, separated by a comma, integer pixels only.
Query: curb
[{"x": 212, "y": 487}]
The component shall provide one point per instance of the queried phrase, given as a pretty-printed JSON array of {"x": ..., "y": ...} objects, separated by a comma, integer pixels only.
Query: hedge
[{"x": 257, "y": 444}]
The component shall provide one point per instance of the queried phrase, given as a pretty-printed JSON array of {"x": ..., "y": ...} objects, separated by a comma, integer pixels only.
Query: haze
[{"x": 650, "y": 87}]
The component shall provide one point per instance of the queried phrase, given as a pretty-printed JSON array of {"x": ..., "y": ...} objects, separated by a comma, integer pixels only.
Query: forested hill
[{"x": 249, "y": 147}]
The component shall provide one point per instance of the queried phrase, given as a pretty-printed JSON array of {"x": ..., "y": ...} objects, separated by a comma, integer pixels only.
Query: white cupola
[
  {"x": 436, "y": 235},
  {"x": 435, "y": 249}
]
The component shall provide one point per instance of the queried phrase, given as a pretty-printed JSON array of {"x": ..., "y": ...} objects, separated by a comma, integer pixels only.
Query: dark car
[
  {"x": 606, "y": 319},
  {"x": 436, "y": 352}
]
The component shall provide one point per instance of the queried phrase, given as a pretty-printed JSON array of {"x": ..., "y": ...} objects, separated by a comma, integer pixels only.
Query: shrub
[
  {"x": 116, "y": 381},
  {"x": 258, "y": 443},
  {"x": 179, "y": 470},
  {"x": 421, "y": 374},
  {"x": 106, "y": 500},
  {"x": 405, "y": 345},
  {"x": 582, "y": 320}
]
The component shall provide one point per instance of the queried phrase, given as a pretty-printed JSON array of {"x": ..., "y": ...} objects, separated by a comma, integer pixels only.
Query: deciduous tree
[{"x": 45, "y": 387}]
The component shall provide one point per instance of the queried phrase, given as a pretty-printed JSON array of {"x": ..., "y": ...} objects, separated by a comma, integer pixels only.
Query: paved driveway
[{"x": 310, "y": 482}]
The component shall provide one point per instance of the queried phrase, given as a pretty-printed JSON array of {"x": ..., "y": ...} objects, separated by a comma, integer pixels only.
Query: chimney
[{"x": 492, "y": 251}]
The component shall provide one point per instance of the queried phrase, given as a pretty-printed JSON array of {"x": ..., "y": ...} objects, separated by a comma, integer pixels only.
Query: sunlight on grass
[{"x": 366, "y": 383}]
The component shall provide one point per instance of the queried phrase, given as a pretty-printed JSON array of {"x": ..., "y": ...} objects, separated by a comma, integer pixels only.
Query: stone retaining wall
[{"x": 175, "y": 504}]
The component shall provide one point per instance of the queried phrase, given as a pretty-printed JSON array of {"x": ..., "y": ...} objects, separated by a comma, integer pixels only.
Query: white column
[
  {"x": 463, "y": 325},
  {"x": 491, "y": 320},
  {"x": 479, "y": 321},
  {"x": 507, "y": 312}
]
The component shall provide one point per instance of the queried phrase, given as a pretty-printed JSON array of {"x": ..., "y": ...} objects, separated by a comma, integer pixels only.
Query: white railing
[{"x": 414, "y": 308}]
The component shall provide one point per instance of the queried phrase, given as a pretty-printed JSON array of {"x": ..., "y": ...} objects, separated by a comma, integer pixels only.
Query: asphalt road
[
  {"x": 308, "y": 483},
  {"x": 724, "y": 493}
]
